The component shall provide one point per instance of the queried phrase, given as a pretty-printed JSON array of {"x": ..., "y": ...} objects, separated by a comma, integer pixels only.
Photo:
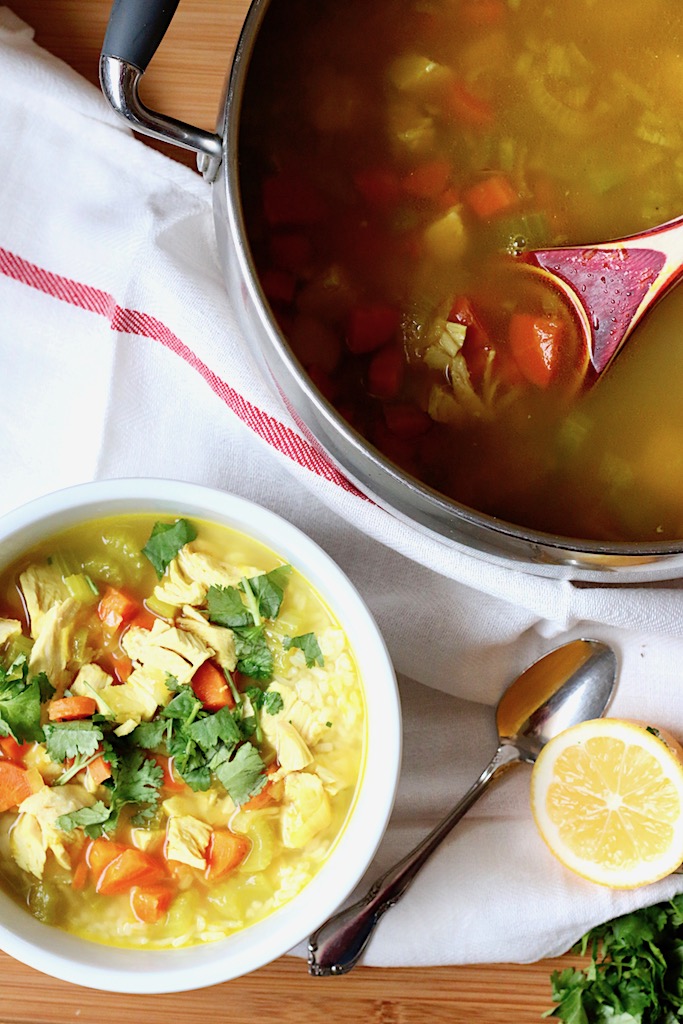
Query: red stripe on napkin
[{"x": 131, "y": 321}]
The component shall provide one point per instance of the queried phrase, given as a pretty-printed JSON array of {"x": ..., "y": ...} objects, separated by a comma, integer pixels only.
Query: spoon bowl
[
  {"x": 570, "y": 684},
  {"x": 611, "y": 286}
]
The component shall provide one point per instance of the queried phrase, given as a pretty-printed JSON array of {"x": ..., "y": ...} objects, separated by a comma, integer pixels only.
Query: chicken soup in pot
[
  {"x": 182, "y": 731},
  {"x": 396, "y": 157}
]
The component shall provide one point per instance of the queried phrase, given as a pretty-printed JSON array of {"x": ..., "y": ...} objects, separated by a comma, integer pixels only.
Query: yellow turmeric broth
[
  {"x": 398, "y": 156},
  {"x": 182, "y": 731}
]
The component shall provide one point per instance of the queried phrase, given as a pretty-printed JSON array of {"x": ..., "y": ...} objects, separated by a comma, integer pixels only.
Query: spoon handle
[{"x": 336, "y": 946}]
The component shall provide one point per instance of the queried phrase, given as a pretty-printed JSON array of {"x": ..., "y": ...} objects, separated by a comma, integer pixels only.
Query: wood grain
[{"x": 185, "y": 79}]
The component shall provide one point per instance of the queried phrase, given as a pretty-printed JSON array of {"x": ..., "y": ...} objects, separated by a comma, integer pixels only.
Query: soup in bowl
[
  {"x": 395, "y": 161},
  {"x": 199, "y": 736}
]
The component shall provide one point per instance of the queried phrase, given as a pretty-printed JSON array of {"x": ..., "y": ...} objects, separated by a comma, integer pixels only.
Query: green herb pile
[{"x": 635, "y": 975}]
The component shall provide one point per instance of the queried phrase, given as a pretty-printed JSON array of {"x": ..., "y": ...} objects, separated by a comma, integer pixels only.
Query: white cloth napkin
[{"x": 120, "y": 356}]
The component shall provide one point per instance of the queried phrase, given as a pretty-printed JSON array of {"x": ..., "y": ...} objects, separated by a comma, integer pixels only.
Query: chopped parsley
[
  {"x": 307, "y": 643},
  {"x": 634, "y": 974},
  {"x": 165, "y": 542}
]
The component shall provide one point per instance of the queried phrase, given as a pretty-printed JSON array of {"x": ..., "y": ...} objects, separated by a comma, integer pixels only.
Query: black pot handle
[{"x": 135, "y": 29}]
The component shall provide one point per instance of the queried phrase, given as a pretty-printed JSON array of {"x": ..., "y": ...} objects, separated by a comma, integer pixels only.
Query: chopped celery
[
  {"x": 107, "y": 569},
  {"x": 162, "y": 608},
  {"x": 446, "y": 238},
  {"x": 81, "y": 587},
  {"x": 128, "y": 551},
  {"x": 81, "y": 651},
  {"x": 453, "y": 337},
  {"x": 65, "y": 562},
  {"x": 19, "y": 645},
  {"x": 412, "y": 72}
]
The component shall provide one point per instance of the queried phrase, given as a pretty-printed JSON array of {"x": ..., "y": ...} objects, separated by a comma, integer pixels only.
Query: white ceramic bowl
[{"x": 82, "y": 962}]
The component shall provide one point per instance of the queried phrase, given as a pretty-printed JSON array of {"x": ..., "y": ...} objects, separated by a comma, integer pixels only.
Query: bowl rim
[{"x": 111, "y": 968}]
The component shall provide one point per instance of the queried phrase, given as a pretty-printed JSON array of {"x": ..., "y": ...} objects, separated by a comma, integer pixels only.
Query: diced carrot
[
  {"x": 385, "y": 373},
  {"x": 68, "y": 709},
  {"x": 116, "y": 607},
  {"x": 143, "y": 619},
  {"x": 465, "y": 107},
  {"x": 290, "y": 250},
  {"x": 16, "y": 783},
  {"x": 122, "y": 665},
  {"x": 99, "y": 770},
  {"x": 270, "y": 794},
  {"x": 172, "y": 782},
  {"x": 225, "y": 852},
  {"x": 211, "y": 687},
  {"x": 150, "y": 903},
  {"x": 80, "y": 870},
  {"x": 379, "y": 187},
  {"x": 278, "y": 285},
  {"x": 491, "y": 196},
  {"x": 483, "y": 13},
  {"x": 12, "y": 750},
  {"x": 371, "y": 326},
  {"x": 406, "y": 420},
  {"x": 289, "y": 200},
  {"x": 100, "y": 853},
  {"x": 536, "y": 343},
  {"x": 428, "y": 180},
  {"x": 131, "y": 867}
]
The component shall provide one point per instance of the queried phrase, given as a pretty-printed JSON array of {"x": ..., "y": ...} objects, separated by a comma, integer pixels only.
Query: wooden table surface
[{"x": 185, "y": 79}]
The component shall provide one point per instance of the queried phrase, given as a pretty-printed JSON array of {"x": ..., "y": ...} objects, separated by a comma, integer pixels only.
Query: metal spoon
[
  {"x": 571, "y": 684},
  {"x": 612, "y": 285}
]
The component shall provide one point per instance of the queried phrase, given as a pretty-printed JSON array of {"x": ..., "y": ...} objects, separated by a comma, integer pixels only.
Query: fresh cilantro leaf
[
  {"x": 137, "y": 781},
  {"x": 207, "y": 732},
  {"x": 254, "y": 656},
  {"x": 45, "y": 687},
  {"x": 165, "y": 542},
  {"x": 184, "y": 706},
  {"x": 150, "y": 735},
  {"x": 20, "y": 702},
  {"x": 172, "y": 683},
  {"x": 90, "y": 819},
  {"x": 267, "y": 591},
  {"x": 226, "y": 608},
  {"x": 72, "y": 739},
  {"x": 198, "y": 778},
  {"x": 268, "y": 700},
  {"x": 242, "y": 775},
  {"x": 307, "y": 643}
]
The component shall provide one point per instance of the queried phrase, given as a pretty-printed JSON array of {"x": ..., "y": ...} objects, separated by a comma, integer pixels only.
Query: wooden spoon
[{"x": 612, "y": 285}]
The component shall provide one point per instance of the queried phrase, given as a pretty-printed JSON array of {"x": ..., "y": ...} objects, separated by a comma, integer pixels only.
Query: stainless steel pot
[{"x": 135, "y": 29}]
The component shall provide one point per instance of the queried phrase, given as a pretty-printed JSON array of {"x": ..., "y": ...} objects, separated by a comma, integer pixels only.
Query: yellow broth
[
  {"x": 398, "y": 156},
  {"x": 288, "y": 828}
]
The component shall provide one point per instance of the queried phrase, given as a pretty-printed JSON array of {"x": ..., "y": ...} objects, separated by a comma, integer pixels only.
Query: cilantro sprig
[
  {"x": 204, "y": 743},
  {"x": 165, "y": 542},
  {"x": 308, "y": 643},
  {"x": 245, "y": 609},
  {"x": 20, "y": 701},
  {"x": 634, "y": 974}
]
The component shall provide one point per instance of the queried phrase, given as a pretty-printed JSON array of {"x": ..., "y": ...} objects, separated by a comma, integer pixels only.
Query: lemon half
[{"x": 607, "y": 797}]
